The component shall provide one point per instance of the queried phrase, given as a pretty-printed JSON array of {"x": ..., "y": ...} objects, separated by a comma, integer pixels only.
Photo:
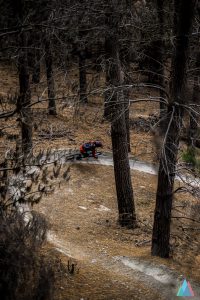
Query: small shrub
[
  {"x": 190, "y": 156},
  {"x": 24, "y": 272}
]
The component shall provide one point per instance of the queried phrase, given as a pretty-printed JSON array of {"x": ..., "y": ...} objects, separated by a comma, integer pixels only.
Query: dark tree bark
[
  {"x": 34, "y": 57},
  {"x": 109, "y": 66},
  {"x": 160, "y": 56},
  {"x": 126, "y": 59},
  {"x": 124, "y": 189},
  {"x": 50, "y": 78},
  {"x": 194, "y": 118},
  {"x": 82, "y": 77},
  {"x": 176, "y": 16},
  {"x": 127, "y": 118},
  {"x": 167, "y": 168},
  {"x": 127, "y": 81},
  {"x": 116, "y": 115},
  {"x": 24, "y": 99},
  {"x": 36, "y": 68}
]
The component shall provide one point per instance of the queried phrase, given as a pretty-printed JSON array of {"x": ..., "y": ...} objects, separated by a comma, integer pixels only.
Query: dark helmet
[{"x": 98, "y": 144}]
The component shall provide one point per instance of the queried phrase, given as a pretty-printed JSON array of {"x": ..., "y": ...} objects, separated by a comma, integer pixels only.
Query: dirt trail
[
  {"x": 147, "y": 168},
  {"x": 83, "y": 218},
  {"x": 155, "y": 280},
  {"x": 106, "y": 160},
  {"x": 84, "y": 228}
]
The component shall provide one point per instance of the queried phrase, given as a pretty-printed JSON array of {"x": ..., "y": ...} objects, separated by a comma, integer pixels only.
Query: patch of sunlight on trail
[{"x": 158, "y": 273}]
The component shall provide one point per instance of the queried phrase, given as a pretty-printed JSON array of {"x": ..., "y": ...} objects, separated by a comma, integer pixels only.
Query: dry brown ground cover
[
  {"x": 74, "y": 124},
  {"x": 93, "y": 232},
  {"x": 83, "y": 219}
]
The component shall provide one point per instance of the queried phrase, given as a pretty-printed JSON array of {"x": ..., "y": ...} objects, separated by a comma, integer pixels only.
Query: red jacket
[{"x": 88, "y": 147}]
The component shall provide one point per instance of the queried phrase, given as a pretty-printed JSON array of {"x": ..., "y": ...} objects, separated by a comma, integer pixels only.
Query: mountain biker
[{"x": 90, "y": 148}]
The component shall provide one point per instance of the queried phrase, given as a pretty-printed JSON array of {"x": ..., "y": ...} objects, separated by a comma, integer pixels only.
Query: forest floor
[
  {"x": 73, "y": 125},
  {"x": 112, "y": 263}
]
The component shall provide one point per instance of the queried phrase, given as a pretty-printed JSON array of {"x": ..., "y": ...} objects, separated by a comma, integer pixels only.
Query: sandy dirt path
[{"x": 83, "y": 218}]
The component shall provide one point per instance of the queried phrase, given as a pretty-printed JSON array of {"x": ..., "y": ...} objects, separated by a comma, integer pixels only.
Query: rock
[{"x": 82, "y": 207}]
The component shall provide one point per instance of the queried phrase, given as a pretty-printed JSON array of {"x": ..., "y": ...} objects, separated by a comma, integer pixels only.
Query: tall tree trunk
[
  {"x": 82, "y": 77},
  {"x": 124, "y": 188},
  {"x": 108, "y": 93},
  {"x": 34, "y": 57},
  {"x": 36, "y": 67},
  {"x": 126, "y": 59},
  {"x": 127, "y": 118},
  {"x": 167, "y": 168},
  {"x": 194, "y": 118},
  {"x": 109, "y": 69},
  {"x": 50, "y": 78},
  {"x": 24, "y": 99},
  {"x": 160, "y": 58},
  {"x": 176, "y": 16}
]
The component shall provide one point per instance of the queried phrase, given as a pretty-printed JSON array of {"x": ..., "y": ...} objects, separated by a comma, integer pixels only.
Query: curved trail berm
[{"x": 87, "y": 246}]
